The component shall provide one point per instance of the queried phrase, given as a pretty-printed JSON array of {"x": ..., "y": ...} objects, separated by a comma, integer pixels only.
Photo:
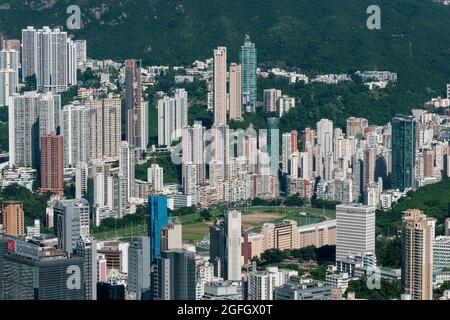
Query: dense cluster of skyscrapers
[{"x": 363, "y": 167}]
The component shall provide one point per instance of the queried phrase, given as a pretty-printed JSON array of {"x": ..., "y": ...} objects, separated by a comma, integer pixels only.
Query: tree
[
  {"x": 388, "y": 252},
  {"x": 305, "y": 254},
  {"x": 320, "y": 273},
  {"x": 206, "y": 214},
  {"x": 389, "y": 289},
  {"x": 294, "y": 201},
  {"x": 272, "y": 256},
  {"x": 325, "y": 254}
]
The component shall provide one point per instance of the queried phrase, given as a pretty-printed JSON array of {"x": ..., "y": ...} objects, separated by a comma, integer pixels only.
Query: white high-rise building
[
  {"x": 156, "y": 177},
  {"x": 190, "y": 180},
  {"x": 126, "y": 170},
  {"x": 29, "y": 115},
  {"x": 8, "y": 86},
  {"x": 286, "y": 152},
  {"x": 284, "y": 104},
  {"x": 71, "y": 63},
  {"x": 325, "y": 136},
  {"x": 105, "y": 127},
  {"x": 81, "y": 176},
  {"x": 172, "y": 117},
  {"x": 9, "y": 59},
  {"x": 294, "y": 165},
  {"x": 49, "y": 110},
  {"x": 75, "y": 129},
  {"x": 193, "y": 151},
  {"x": 233, "y": 245},
  {"x": 220, "y": 85},
  {"x": 261, "y": 285},
  {"x": 51, "y": 56},
  {"x": 144, "y": 125},
  {"x": 355, "y": 230}
]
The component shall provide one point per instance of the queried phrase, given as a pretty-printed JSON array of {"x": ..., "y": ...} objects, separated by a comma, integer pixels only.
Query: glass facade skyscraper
[
  {"x": 248, "y": 59},
  {"x": 403, "y": 152},
  {"x": 158, "y": 219}
]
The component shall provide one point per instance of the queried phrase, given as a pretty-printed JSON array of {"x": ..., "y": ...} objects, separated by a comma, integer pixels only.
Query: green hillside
[
  {"x": 433, "y": 200},
  {"x": 316, "y": 36}
]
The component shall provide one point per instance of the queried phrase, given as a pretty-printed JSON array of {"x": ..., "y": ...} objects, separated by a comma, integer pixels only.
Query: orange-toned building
[{"x": 13, "y": 218}]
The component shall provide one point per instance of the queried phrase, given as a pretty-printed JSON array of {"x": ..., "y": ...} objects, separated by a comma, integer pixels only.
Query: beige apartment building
[{"x": 417, "y": 254}]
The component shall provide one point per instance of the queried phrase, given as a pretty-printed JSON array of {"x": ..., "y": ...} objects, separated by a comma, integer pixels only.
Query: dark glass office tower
[{"x": 403, "y": 152}]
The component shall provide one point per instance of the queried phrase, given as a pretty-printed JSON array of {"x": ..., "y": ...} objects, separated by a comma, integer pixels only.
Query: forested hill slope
[{"x": 315, "y": 35}]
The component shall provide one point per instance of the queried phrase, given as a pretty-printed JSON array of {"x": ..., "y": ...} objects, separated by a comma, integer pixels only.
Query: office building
[
  {"x": 355, "y": 230},
  {"x": 318, "y": 234},
  {"x": 71, "y": 221},
  {"x": 139, "y": 268},
  {"x": 175, "y": 275},
  {"x": 31, "y": 272},
  {"x": 171, "y": 236},
  {"x": 403, "y": 152},
  {"x": 441, "y": 253},
  {"x": 282, "y": 236},
  {"x": 220, "y": 86},
  {"x": 273, "y": 144},
  {"x": 417, "y": 254},
  {"x": 13, "y": 219},
  {"x": 303, "y": 289},
  {"x": 52, "y": 164},
  {"x": 232, "y": 232},
  {"x": 261, "y": 285},
  {"x": 87, "y": 250},
  {"x": 110, "y": 291},
  {"x": 158, "y": 219}
]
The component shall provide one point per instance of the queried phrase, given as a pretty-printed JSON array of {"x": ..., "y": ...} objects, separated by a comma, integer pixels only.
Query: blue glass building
[
  {"x": 248, "y": 61},
  {"x": 158, "y": 219}
]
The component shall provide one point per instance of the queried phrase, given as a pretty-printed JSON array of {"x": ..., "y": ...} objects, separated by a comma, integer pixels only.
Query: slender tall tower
[
  {"x": 133, "y": 102},
  {"x": 220, "y": 85},
  {"x": 233, "y": 256},
  {"x": 158, "y": 219},
  {"x": 235, "y": 92},
  {"x": 417, "y": 254},
  {"x": 29, "y": 52},
  {"x": 249, "y": 62},
  {"x": 403, "y": 152}
]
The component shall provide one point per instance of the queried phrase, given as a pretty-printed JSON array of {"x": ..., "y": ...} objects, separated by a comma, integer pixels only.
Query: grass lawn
[
  {"x": 194, "y": 229},
  {"x": 135, "y": 231}
]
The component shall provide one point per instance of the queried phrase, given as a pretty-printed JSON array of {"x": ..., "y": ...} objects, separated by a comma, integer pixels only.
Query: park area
[{"x": 195, "y": 228}]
